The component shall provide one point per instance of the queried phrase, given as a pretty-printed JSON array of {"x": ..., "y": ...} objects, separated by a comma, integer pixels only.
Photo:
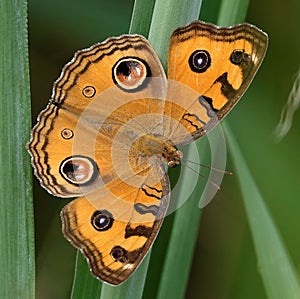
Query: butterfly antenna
[
  {"x": 201, "y": 175},
  {"x": 209, "y": 167}
]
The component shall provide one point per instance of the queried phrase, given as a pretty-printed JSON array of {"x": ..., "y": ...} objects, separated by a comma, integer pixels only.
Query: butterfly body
[
  {"x": 114, "y": 122},
  {"x": 151, "y": 145}
]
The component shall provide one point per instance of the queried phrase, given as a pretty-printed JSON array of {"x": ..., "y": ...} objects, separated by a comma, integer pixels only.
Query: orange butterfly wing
[
  {"x": 212, "y": 67},
  {"x": 115, "y": 229},
  {"x": 76, "y": 108},
  {"x": 81, "y": 146},
  {"x": 113, "y": 120}
]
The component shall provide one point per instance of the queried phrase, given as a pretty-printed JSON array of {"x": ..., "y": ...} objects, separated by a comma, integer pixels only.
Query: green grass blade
[
  {"x": 16, "y": 212},
  {"x": 85, "y": 285},
  {"x": 278, "y": 273},
  {"x": 141, "y": 17},
  {"x": 167, "y": 16},
  {"x": 184, "y": 233}
]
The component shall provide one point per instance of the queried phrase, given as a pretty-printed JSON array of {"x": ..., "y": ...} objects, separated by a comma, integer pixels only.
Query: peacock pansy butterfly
[{"x": 114, "y": 122}]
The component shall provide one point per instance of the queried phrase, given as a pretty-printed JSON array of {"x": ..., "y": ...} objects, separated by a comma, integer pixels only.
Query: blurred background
[{"x": 224, "y": 260}]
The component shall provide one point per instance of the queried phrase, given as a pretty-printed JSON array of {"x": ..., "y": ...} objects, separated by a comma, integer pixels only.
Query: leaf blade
[
  {"x": 278, "y": 273},
  {"x": 16, "y": 211}
]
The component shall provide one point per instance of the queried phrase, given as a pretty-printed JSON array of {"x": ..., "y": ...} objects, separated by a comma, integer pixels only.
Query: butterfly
[{"x": 114, "y": 123}]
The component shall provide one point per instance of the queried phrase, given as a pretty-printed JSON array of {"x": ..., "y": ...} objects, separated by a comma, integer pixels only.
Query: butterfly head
[{"x": 175, "y": 158}]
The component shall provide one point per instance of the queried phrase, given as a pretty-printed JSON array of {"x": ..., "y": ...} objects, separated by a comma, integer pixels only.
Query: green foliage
[
  {"x": 16, "y": 213},
  {"x": 277, "y": 271}
]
